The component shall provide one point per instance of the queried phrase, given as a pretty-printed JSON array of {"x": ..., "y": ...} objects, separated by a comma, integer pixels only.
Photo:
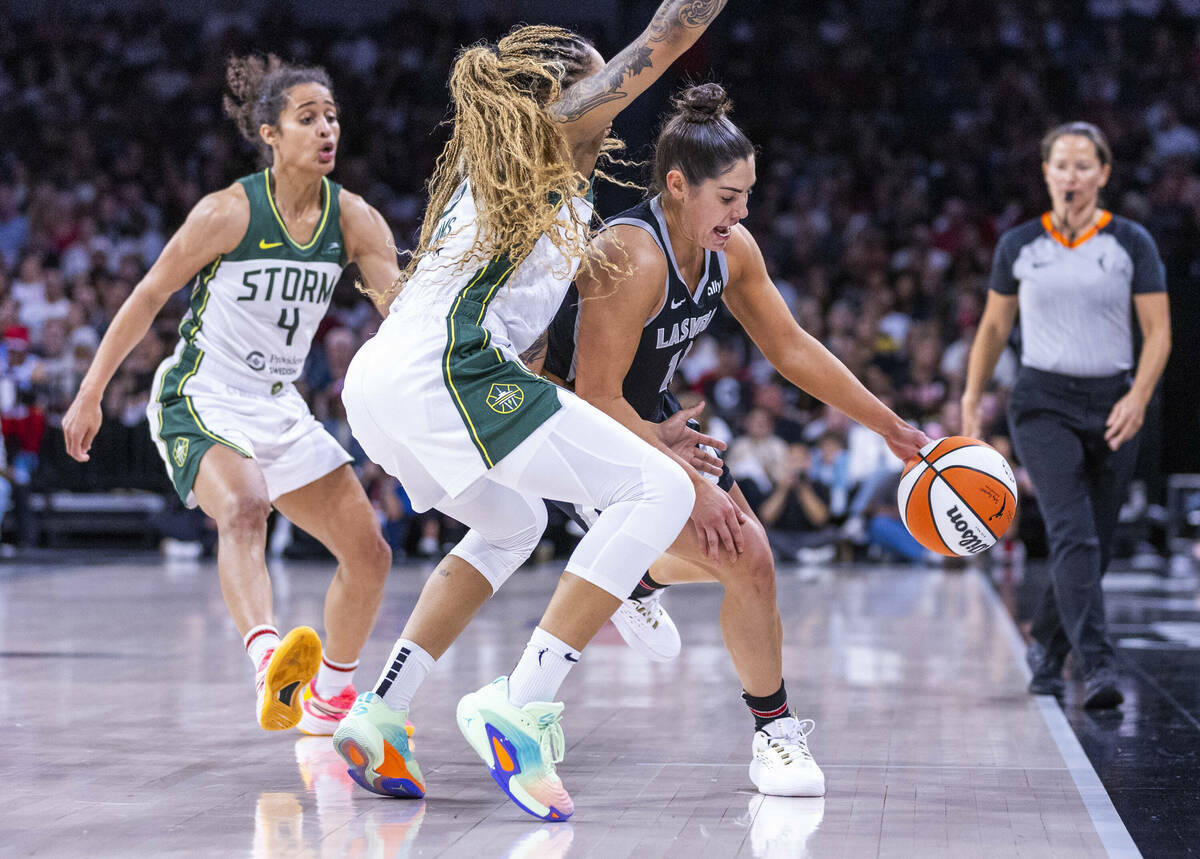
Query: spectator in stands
[
  {"x": 796, "y": 513},
  {"x": 754, "y": 459},
  {"x": 830, "y": 469},
  {"x": 14, "y": 227},
  {"x": 51, "y": 304}
]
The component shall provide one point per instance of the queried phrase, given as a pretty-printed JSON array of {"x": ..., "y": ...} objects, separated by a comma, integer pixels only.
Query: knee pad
[{"x": 497, "y": 558}]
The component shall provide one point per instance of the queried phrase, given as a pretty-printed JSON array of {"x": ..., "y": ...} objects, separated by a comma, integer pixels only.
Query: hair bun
[{"x": 702, "y": 103}]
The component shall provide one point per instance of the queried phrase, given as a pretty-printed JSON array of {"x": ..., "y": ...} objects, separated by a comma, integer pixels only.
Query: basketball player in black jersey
[{"x": 619, "y": 340}]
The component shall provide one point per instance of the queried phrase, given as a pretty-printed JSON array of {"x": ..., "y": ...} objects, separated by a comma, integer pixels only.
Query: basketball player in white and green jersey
[{"x": 263, "y": 256}]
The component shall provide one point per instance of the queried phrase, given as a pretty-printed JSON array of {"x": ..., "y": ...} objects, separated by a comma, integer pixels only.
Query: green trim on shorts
[
  {"x": 500, "y": 401},
  {"x": 180, "y": 427}
]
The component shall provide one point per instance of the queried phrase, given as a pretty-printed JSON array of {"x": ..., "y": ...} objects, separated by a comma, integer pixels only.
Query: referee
[{"x": 1076, "y": 409}]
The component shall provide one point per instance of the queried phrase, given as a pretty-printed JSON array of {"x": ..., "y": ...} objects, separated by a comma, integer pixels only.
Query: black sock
[
  {"x": 646, "y": 587},
  {"x": 768, "y": 709}
]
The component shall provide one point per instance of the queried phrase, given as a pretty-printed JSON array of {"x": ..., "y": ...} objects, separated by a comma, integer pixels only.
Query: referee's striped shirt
[{"x": 1074, "y": 298}]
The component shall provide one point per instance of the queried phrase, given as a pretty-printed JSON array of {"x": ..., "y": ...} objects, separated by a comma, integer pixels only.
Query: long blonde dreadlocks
[{"x": 511, "y": 148}]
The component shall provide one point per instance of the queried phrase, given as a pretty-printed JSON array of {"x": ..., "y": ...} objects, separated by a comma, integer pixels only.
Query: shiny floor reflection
[
  {"x": 1147, "y": 754},
  {"x": 129, "y": 706}
]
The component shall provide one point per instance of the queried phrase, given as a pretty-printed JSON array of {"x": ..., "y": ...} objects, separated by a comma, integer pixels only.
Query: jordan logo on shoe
[{"x": 286, "y": 693}]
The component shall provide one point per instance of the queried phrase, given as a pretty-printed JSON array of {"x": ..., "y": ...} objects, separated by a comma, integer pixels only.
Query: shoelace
[
  {"x": 794, "y": 743},
  {"x": 552, "y": 741},
  {"x": 649, "y": 606}
]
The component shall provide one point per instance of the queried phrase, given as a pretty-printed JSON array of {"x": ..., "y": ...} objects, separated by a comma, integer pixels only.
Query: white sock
[
  {"x": 333, "y": 677},
  {"x": 542, "y": 669},
  {"x": 258, "y": 641},
  {"x": 402, "y": 676}
]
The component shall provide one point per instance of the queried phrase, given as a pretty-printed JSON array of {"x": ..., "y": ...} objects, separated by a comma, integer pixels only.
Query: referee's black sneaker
[
  {"x": 1100, "y": 689},
  {"x": 1047, "y": 671}
]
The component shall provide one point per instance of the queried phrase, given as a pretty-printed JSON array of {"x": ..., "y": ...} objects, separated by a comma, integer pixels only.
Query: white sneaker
[
  {"x": 783, "y": 765},
  {"x": 647, "y": 628}
]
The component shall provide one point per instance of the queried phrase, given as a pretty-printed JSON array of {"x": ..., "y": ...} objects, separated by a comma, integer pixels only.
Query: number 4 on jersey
[{"x": 291, "y": 327}]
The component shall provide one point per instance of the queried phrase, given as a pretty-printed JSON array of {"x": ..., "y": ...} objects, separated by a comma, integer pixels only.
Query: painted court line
[{"x": 1113, "y": 834}]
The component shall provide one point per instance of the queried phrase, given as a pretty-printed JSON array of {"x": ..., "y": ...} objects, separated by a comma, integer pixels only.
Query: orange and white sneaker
[
  {"x": 282, "y": 676},
  {"x": 321, "y": 715}
]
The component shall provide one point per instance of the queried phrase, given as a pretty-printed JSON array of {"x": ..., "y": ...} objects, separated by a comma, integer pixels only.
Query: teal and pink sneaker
[
  {"x": 373, "y": 739},
  {"x": 322, "y": 715},
  {"x": 520, "y": 746}
]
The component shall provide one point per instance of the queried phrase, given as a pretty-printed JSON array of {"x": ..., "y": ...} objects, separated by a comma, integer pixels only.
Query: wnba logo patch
[
  {"x": 179, "y": 452},
  {"x": 505, "y": 399}
]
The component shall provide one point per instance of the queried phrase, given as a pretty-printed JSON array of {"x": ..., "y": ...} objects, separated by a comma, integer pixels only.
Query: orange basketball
[{"x": 958, "y": 497}]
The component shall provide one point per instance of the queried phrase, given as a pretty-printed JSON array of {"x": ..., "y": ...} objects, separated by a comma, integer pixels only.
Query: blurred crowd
[{"x": 897, "y": 141}]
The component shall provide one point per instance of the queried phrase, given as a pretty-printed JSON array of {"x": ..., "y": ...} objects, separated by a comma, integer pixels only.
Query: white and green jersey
[
  {"x": 519, "y": 301},
  {"x": 445, "y": 365},
  {"x": 254, "y": 311}
]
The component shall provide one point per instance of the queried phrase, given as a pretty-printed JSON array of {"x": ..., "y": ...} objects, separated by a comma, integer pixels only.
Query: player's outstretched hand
[
  {"x": 80, "y": 425},
  {"x": 718, "y": 522},
  {"x": 685, "y": 442}
]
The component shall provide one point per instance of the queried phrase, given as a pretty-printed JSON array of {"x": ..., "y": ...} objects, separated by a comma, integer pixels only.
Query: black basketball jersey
[{"x": 667, "y": 337}]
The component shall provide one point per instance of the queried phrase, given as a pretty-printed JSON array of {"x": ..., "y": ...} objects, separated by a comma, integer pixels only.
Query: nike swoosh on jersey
[
  {"x": 675, "y": 305},
  {"x": 266, "y": 246}
]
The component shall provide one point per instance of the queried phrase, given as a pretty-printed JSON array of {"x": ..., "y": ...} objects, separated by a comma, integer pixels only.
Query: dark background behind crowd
[{"x": 897, "y": 141}]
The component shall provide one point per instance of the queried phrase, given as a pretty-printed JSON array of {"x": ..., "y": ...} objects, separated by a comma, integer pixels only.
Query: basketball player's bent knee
[
  {"x": 497, "y": 558},
  {"x": 243, "y": 514},
  {"x": 639, "y": 524}
]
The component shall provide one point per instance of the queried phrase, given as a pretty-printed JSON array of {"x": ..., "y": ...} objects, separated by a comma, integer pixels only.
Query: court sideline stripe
[{"x": 1109, "y": 826}]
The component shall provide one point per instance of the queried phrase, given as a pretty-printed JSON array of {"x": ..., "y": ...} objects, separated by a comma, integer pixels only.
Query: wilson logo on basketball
[{"x": 968, "y": 540}]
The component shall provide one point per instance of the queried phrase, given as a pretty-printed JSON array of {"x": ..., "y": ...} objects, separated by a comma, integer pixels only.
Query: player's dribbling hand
[
  {"x": 683, "y": 441},
  {"x": 718, "y": 522},
  {"x": 906, "y": 441},
  {"x": 80, "y": 425}
]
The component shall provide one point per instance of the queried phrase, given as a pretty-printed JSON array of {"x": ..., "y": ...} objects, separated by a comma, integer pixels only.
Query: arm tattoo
[
  {"x": 688, "y": 14},
  {"x": 537, "y": 351},
  {"x": 670, "y": 23}
]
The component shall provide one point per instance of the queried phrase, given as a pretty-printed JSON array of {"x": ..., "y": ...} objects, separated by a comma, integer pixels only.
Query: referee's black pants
[{"x": 1057, "y": 425}]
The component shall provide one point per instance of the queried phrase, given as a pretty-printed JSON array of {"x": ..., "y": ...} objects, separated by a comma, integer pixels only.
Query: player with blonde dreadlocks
[{"x": 442, "y": 399}]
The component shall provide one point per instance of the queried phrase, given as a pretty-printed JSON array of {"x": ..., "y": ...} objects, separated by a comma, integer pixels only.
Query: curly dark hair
[{"x": 258, "y": 93}]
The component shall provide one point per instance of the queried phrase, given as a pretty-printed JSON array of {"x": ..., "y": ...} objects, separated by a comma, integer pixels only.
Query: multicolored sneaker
[
  {"x": 520, "y": 746},
  {"x": 321, "y": 715},
  {"x": 373, "y": 739},
  {"x": 647, "y": 628},
  {"x": 282, "y": 675},
  {"x": 783, "y": 765}
]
